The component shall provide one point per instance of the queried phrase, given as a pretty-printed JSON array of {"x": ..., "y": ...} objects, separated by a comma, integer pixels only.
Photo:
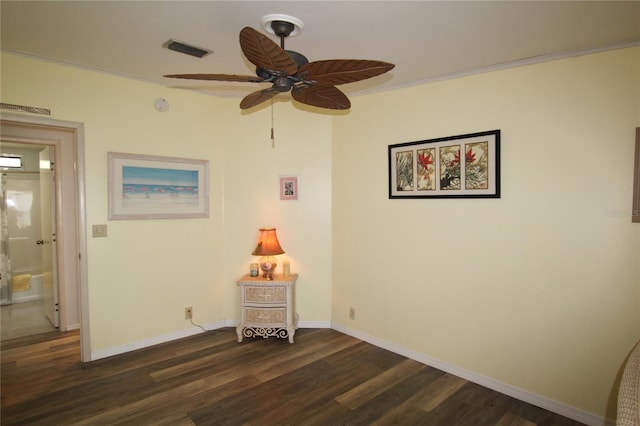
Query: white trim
[
  {"x": 314, "y": 324},
  {"x": 81, "y": 234},
  {"x": 152, "y": 341},
  {"x": 83, "y": 275},
  {"x": 504, "y": 388},
  {"x": 378, "y": 89},
  {"x": 144, "y": 343},
  {"x": 301, "y": 324},
  {"x": 498, "y": 67}
]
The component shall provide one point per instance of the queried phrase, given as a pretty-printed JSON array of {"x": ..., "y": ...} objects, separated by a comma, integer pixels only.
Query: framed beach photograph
[
  {"x": 153, "y": 187},
  {"x": 463, "y": 166},
  {"x": 289, "y": 188}
]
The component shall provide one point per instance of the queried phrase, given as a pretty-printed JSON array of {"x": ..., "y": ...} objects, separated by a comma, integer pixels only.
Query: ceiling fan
[{"x": 311, "y": 83}]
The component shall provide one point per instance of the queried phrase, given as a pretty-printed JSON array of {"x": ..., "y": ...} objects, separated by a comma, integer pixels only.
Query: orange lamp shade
[{"x": 268, "y": 244}]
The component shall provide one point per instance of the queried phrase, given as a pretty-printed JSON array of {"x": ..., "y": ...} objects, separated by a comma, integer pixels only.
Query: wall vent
[{"x": 33, "y": 110}]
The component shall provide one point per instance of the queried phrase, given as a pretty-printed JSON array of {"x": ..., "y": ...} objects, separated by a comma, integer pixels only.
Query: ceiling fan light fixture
[
  {"x": 268, "y": 20},
  {"x": 181, "y": 47}
]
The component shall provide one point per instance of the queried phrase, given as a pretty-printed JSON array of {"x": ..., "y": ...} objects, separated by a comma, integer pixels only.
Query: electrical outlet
[
  {"x": 188, "y": 312},
  {"x": 352, "y": 313}
]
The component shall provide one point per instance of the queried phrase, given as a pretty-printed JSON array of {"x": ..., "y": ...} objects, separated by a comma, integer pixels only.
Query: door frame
[
  {"x": 48, "y": 204},
  {"x": 75, "y": 256}
]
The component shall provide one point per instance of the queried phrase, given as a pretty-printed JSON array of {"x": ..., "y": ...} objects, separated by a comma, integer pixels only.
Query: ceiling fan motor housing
[
  {"x": 282, "y": 84},
  {"x": 282, "y": 28},
  {"x": 268, "y": 75}
]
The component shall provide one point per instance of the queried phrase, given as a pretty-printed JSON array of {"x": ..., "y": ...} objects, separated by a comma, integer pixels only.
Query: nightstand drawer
[
  {"x": 265, "y": 315},
  {"x": 267, "y": 307},
  {"x": 270, "y": 295}
]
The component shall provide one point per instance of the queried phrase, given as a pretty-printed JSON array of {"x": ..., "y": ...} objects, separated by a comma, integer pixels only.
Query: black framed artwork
[{"x": 463, "y": 166}]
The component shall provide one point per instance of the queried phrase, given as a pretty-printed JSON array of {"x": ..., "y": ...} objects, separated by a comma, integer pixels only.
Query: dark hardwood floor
[{"x": 324, "y": 378}]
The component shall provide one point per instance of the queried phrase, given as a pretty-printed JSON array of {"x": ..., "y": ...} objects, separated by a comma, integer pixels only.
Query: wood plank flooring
[{"x": 324, "y": 378}]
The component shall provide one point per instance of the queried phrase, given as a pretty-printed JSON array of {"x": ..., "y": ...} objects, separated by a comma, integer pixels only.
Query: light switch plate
[{"x": 99, "y": 231}]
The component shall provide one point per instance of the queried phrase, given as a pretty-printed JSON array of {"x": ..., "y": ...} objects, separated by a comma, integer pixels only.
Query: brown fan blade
[
  {"x": 266, "y": 54},
  {"x": 321, "y": 96},
  {"x": 258, "y": 97},
  {"x": 340, "y": 71},
  {"x": 219, "y": 77}
]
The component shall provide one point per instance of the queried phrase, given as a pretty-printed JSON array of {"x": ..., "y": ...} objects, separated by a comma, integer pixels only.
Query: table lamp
[{"x": 268, "y": 246}]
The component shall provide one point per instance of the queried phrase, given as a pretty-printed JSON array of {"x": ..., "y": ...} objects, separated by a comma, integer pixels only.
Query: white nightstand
[{"x": 268, "y": 307}]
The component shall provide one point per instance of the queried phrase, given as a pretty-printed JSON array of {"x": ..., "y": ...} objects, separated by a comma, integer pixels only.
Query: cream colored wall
[
  {"x": 144, "y": 273},
  {"x": 538, "y": 289},
  {"x": 302, "y": 148}
]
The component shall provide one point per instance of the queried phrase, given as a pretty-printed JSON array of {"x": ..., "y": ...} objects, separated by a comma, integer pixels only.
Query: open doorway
[
  {"x": 63, "y": 142},
  {"x": 29, "y": 287}
]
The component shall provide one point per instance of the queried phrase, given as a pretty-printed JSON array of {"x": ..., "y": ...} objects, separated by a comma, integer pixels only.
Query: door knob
[{"x": 40, "y": 242}]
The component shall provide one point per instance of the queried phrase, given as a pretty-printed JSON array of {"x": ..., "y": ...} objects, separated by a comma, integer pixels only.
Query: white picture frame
[{"x": 145, "y": 187}]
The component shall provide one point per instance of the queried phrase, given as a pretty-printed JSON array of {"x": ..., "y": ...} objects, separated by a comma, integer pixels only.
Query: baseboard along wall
[{"x": 504, "y": 388}]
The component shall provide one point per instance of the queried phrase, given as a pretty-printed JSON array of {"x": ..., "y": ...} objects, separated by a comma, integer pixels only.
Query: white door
[{"x": 48, "y": 239}]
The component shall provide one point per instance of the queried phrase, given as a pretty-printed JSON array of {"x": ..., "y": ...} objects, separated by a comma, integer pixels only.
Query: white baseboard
[
  {"x": 127, "y": 347},
  {"x": 72, "y": 327},
  {"x": 314, "y": 324},
  {"x": 140, "y": 344},
  {"x": 504, "y": 388},
  {"x": 301, "y": 324}
]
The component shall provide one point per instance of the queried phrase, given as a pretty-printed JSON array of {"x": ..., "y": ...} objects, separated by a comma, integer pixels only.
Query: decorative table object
[
  {"x": 267, "y": 307},
  {"x": 268, "y": 247}
]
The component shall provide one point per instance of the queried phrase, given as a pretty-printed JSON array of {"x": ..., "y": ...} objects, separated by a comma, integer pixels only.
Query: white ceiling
[{"x": 427, "y": 40}]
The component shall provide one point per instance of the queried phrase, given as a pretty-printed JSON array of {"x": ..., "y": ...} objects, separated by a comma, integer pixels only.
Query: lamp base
[{"x": 268, "y": 266}]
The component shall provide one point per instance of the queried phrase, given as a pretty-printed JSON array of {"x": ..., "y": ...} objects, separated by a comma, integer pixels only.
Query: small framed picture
[{"x": 289, "y": 188}]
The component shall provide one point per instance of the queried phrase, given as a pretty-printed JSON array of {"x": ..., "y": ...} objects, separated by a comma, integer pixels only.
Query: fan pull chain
[{"x": 273, "y": 139}]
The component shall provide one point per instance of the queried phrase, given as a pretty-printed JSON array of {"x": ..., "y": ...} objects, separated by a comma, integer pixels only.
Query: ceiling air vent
[{"x": 181, "y": 47}]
